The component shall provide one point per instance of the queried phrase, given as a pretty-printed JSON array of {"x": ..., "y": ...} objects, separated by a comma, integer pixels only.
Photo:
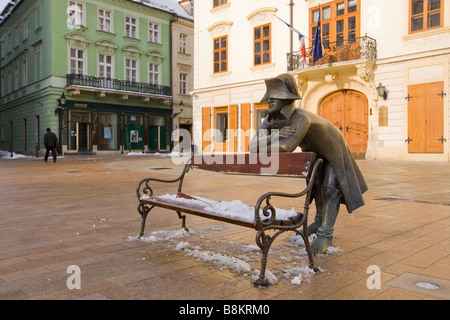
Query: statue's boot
[{"x": 330, "y": 209}]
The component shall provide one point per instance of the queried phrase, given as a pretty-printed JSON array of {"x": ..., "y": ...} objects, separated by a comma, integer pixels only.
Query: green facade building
[{"x": 98, "y": 73}]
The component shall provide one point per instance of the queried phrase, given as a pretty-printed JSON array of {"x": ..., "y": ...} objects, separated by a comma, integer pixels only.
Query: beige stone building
[{"x": 383, "y": 79}]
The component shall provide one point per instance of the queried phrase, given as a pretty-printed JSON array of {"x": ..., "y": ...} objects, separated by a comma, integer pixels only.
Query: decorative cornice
[
  {"x": 262, "y": 14},
  {"x": 220, "y": 28}
]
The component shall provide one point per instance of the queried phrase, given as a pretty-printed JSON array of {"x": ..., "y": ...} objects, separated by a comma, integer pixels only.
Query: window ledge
[
  {"x": 426, "y": 33},
  {"x": 263, "y": 66},
  {"x": 220, "y": 7},
  {"x": 221, "y": 74}
]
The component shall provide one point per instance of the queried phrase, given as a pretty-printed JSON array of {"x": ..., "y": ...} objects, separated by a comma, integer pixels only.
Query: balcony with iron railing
[
  {"x": 116, "y": 86},
  {"x": 361, "y": 49}
]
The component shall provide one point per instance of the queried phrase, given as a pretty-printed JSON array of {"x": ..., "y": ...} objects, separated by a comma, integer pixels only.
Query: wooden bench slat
[{"x": 288, "y": 164}]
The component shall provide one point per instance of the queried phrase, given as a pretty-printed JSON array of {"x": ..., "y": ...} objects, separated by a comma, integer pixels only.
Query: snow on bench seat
[{"x": 234, "y": 211}]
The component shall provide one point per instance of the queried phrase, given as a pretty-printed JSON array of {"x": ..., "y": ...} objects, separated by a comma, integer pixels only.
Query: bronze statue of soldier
[{"x": 339, "y": 179}]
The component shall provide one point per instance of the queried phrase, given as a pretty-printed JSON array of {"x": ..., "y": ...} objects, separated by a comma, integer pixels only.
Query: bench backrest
[{"x": 298, "y": 164}]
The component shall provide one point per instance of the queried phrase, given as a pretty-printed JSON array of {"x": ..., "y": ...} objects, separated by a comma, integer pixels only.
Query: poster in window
[{"x": 107, "y": 132}]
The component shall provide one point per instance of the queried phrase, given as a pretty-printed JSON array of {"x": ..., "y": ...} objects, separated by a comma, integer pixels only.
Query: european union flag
[{"x": 317, "y": 46}]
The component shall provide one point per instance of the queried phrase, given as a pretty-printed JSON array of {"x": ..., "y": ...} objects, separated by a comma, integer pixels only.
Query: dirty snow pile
[
  {"x": 235, "y": 263},
  {"x": 235, "y": 209}
]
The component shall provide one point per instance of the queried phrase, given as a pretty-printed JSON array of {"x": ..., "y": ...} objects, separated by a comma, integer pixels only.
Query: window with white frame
[
  {"x": 153, "y": 32},
  {"x": 153, "y": 71},
  {"x": 76, "y": 13},
  {"x": 104, "y": 20},
  {"x": 76, "y": 61},
  {"x": 183, "y": 43},
  {"x": 105, "y": 66},
  {"x": 183, "y": 83},
  {"x": 131, "y": 70},
  {"x": 130, "y": 27}
]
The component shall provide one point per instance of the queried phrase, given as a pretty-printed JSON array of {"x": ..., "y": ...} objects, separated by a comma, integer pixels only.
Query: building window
[
  {"x": 183, "y": 43},
  {"x": 183, "y": 83},
  {"x": 425, "y": 14},
  {"x": 131, "y": 70},
  {"x": 16, "y": 76},
  {"x": 217, "y": 3},
  {"x": 262, "y": 45},
  {"x": 105, "y": 66},
  {"x": 153, "y": 32},
  {"x": 38, "y": 62},
  {"x": 17, "y": 37},
  {"x": 104, "y": 20},
  {"x": 3, "y": 84},
  {"x": 221, "y": 54},
  {"x": 24, "y": 72},
  {"x": 25, "y": 29},
  {"x": 340, "y": 22},
  {"x": 76, "y": 61},
  {"x": 75, "y": 13},
  {"x": 153, "y": 73},
  {"x": 130, "y": 27}
]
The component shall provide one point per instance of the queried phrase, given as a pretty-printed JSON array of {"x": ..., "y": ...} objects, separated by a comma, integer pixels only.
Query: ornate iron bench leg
[
  {"x": 143, "y": 211},
  {"x": 264, "y": 242},
  {"x": 183, "y": 221}
]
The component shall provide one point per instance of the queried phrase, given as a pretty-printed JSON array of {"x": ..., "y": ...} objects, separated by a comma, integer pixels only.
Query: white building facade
[{"x": 400, "y": 46}]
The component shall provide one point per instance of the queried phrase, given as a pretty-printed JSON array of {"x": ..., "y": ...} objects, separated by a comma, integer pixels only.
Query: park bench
[{"x": 262, "y": 217}]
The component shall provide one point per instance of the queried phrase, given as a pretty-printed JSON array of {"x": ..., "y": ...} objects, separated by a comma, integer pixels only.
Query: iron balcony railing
[
  {"x": 339, "y": 51},
  {"x": 117, "y": 85}
]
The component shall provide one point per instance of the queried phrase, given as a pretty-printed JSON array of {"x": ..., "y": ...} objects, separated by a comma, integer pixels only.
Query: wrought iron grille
[
  {"x": 116, "y": 84},
  {"x": 339, "y": 51}
]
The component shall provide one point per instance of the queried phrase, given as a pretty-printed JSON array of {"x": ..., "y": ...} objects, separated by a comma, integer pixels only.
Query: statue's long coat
[{"x": 316, "y": 134}]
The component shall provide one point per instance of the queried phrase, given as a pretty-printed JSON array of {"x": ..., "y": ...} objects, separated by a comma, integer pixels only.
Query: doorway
[
  {"x": 426, "y": 118},
  {"x": 348, "y": 111},
  {"x": 83, "y": 136}
]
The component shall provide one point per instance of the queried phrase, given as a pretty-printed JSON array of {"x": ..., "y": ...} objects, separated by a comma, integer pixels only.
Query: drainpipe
[{"x": 172, "y": 20}]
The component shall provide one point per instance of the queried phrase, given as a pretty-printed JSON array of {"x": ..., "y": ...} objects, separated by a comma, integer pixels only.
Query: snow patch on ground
[{"x": 239, "y": 261}]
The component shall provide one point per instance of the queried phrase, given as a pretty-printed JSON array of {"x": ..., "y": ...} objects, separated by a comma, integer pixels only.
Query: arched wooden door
[{"x": 348, "y": 111}]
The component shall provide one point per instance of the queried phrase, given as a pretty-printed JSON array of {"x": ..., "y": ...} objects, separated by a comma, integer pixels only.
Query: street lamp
[
  {"x": 181, "y": 110},
  {"x": 382, "y": 91},
  {"x": 61, "y": 104}
]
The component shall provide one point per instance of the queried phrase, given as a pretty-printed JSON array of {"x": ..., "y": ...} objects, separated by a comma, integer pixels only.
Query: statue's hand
[{"x": 287, "y": 132}]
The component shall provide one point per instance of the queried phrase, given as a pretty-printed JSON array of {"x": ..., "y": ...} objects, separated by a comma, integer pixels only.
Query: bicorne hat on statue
[{"x": 282, "y": 87}]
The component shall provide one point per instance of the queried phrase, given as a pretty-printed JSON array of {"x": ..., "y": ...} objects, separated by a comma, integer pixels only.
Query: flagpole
[{"x": 291, "y": 33}]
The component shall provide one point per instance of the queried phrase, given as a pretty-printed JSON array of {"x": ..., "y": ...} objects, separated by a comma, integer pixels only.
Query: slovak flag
[{"x": 301, "y": 39}]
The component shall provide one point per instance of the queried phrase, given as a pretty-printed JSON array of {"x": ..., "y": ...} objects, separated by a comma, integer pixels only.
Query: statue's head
[{"x": 280, "y": 92}]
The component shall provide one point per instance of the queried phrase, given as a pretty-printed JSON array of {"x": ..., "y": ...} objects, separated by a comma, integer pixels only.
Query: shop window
[{"x": 108, "y": 129}]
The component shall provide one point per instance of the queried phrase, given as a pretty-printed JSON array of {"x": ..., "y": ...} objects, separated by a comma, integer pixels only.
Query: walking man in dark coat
[
  {"x": 339, "y": 179},
  {"x": 50, "y": 141}
]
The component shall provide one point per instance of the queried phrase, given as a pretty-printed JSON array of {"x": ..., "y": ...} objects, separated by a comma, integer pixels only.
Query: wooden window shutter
[
  {"x": 206, "y": 129},
  {"x": 245, "y": 126},
  {"x": 232, "y": 127}
]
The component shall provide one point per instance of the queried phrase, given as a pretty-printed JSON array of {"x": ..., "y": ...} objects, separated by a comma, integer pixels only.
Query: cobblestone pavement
[{"x": 81, "y": 212}]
